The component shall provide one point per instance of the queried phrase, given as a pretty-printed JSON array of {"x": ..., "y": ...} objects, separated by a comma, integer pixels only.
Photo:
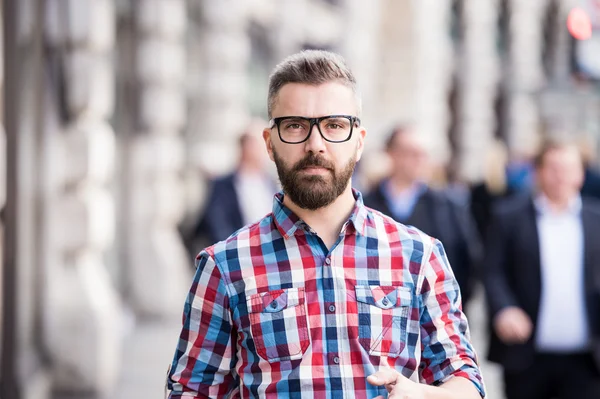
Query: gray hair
[{"x": 313, "y": 67}]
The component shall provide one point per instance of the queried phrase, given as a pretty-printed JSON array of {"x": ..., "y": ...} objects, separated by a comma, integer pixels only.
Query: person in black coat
[
  {"x": 542, "y": 280},
  {"x": 405, "y": 197},
  {"x": 239, "y": 198}
]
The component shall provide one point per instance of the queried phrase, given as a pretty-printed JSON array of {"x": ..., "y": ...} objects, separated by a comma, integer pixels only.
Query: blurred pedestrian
[
  {"x": 323, "y": 297},
  {"x": 406, "y": 196},
  {"x": 542, "y": 277},
  {"x": 241, "y": 197},
  {"x": 493, "y": 188}
]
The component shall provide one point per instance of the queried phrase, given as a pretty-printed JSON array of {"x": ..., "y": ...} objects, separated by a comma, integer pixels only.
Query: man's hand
[
  {"x": 398, "y": 386},
  {"x": 513, "y": 325}
]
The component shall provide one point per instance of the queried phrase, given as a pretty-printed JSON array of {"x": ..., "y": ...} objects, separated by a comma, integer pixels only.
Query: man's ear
[
  {"x": 362, "y": 133},
  {"x": 268, "y": 143}
]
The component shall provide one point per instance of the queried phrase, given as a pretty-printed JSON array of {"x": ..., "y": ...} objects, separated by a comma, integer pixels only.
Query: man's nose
[{"x": 315, "y": 142}]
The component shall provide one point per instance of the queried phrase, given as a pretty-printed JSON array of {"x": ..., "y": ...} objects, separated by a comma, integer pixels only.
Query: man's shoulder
[
  {"x": 445, "y": 197},
  {"x": 374, "y": 196},
  {"x": 250, "y": 235},
  {"x": 591, "y": 205},
  {"x": 225, "y": 180},
  {"x": 385, "y": 228},
  {"x": 514, "y": 204}
]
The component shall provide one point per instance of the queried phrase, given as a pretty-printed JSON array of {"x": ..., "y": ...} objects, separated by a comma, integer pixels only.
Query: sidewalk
[{"x": 148, "y": 351}]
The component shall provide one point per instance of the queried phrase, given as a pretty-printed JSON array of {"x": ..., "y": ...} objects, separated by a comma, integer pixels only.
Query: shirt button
[
  {"x": 274, "y": 305},
  {"x": 328, "y": 261},
  {"x": 336, "y": 360},
  {"x": 385, "y": 301},
  {"x": 332, "y": 308}
]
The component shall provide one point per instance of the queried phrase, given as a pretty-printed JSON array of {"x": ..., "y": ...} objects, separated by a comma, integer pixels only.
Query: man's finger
[{"x": 383, "y": 377}]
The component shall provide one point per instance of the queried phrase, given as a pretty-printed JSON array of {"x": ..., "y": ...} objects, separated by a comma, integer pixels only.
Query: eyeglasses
[{"x": 297, "y": 129}]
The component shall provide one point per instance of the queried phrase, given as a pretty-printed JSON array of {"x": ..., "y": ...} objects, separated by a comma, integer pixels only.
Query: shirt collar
[
  {"x": 287, "y": 222},
  {"x": 542, "y": 205}
]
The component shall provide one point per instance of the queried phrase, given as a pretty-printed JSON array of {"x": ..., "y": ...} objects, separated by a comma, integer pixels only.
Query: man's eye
[
  {"x": 334, "y": 126},
  {"x": 294, "y": 126}
]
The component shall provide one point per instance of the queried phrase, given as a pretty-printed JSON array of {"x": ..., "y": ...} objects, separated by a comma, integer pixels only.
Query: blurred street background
[{"x": 118, "y": 116}]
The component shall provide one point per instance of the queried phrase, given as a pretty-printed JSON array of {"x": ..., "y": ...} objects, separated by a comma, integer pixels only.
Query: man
[
  {"x": 241, "y": 197},
  {"x": 323, "y": 297},
  {"x": 542, "y": 278},
  {"x": 406, "y": 197}
]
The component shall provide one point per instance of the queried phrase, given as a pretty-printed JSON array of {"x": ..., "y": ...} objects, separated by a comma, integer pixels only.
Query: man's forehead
[{"x": 306, "y": 99}]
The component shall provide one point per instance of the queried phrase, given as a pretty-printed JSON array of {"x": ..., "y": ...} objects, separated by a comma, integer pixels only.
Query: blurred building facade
[{"x": 118, "y": 111}]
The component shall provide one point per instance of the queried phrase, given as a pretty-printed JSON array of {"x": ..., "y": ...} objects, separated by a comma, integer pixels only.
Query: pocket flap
[
  {"x": 384, "y": 297},
  {"x": 275, "y": 301}
]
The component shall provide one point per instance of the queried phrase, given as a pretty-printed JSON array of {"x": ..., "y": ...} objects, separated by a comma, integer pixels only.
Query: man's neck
[
  {"x": 249, "y": 169},
  {"x": 327, "y": 221},
  {"x": 400, "y": 185},
  {"x": 559, "y": 204}
]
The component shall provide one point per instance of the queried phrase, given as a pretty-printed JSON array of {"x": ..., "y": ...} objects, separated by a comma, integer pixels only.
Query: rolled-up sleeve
[
  {"x": 203, "y": 365},
  {"x": 445, "y": 339}
]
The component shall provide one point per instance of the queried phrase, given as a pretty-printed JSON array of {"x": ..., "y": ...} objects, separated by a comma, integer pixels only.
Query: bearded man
[{"x": 324, "y": 297}]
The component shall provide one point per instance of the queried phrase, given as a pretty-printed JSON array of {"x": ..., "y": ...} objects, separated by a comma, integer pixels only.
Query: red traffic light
[{"x": 579, "y": 24}]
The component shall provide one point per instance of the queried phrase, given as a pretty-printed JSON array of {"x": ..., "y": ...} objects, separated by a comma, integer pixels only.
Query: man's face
[
  {"x": 410, "y": 159},
  {"x": 316, "y": 172},
  {"x": 253, "y": 151},
  {"x": 560, "y": 175}
]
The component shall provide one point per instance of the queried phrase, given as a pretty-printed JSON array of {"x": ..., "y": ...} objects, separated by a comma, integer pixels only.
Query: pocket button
[
  {"x": 274, "y": 305},
  {"x": 385, "y": 301}
]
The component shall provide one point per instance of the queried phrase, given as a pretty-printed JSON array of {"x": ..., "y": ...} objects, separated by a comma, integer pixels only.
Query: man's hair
[
  {"x": 397, "y": 130},
  {"x": 313, "y": 67},
  {"x": 549, "y": 145}
]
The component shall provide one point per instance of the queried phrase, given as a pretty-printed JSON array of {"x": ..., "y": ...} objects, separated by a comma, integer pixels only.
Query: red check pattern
[{"x": 274, "y": 313}]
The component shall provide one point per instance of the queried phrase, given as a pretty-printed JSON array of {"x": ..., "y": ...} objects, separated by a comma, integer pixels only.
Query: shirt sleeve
[
  {"x": 203, "y": 365},
  {"x": 445, "y": 339}
]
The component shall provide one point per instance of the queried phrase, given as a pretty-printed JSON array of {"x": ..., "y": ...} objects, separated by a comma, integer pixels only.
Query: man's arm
[
  {"x": 510, "y": 322},
  {"x": 205, "y": 357},
  {"x": 498, "y": 245},
  {"x": 445, "y": 340}
]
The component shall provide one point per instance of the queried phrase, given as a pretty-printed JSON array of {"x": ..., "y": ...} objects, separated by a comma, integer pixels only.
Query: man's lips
[{"x": 315, "y": 169}]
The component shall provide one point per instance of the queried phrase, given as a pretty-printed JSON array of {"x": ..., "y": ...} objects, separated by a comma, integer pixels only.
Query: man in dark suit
[
  {"x": 542, "y": 278},
  {"x": 239, "y": 198},
  {"x": 406, "y": 197}
]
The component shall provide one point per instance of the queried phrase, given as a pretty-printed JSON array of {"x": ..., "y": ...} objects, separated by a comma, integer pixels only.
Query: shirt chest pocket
[
  {"x": 278, "y": 324},
  {"x": 383, "y": 313}
]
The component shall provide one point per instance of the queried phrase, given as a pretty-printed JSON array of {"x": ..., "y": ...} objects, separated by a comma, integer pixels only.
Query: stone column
[
  {"x": 434, "y": 66},
  {"x": 219, "y": 82},
  {"x": 25, "y": 373},
  {"x": 526, "y": 71},
  {"x": 478, "y": 67},
  {"x": 360, "y": 46},
  {"x": 216, "y": 84},
  {"x": 82, "y": 313},
  {"x": 158, "y": 265}
]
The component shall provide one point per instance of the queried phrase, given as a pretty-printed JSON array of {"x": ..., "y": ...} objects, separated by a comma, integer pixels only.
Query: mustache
[{"x": 313, "y": 160}]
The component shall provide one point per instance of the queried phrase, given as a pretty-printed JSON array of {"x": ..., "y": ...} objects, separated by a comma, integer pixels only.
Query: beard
[{"x": 313, "y": 192}]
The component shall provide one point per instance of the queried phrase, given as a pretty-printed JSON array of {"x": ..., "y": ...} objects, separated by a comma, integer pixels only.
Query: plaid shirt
[{"x": 273, "y": 313}]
